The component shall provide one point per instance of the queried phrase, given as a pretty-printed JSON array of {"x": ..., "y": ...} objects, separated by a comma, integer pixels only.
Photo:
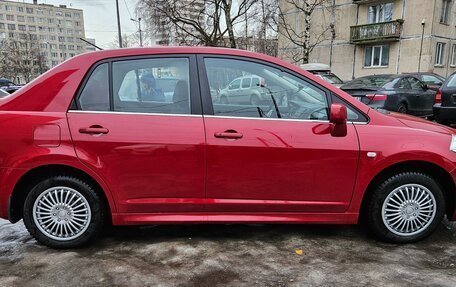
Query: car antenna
[{"x": 91, "y": 44}]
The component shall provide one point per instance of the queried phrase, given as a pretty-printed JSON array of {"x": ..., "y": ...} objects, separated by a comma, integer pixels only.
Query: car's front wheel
[
  {"x": 406, "y": 207},
  {"x": 63, "y": 212}
]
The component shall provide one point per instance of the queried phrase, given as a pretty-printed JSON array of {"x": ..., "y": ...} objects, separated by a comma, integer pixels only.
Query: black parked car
[
  {"x": 433, "y": 81},
  {"x": 8, "y": 86},
  {"x": 445, "y": 102},
  {"x": 398, "y": 93}
]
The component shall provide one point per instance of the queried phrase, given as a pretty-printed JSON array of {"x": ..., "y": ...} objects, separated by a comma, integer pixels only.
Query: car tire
[
  {"x": 406, "y": 208},
  {"x": 402, "y": 108},
  {"x": 224, "y": 100},
  {"x": 64, "y": 212},
  {"x": 254, "y": 100}
]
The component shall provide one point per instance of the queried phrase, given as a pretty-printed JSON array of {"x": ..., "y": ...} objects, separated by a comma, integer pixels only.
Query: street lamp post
[
  {"x": 423, "y": 24},
  {"x": 118, "y": 24},
  {"x": 140, "y": 31}
]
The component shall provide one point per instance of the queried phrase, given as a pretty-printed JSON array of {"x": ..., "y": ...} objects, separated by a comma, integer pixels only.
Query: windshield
[
  {"x": 332, "y": 79},
  {"x": 376, "y": 82}
]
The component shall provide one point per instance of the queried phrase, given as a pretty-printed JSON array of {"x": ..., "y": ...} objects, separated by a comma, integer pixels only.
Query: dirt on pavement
[{"x": 230, "y": 255}]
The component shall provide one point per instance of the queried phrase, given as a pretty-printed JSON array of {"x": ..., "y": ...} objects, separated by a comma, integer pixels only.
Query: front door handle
[
  {"x": 94, "y": 130},
  {"x": 228, "y": 134}
]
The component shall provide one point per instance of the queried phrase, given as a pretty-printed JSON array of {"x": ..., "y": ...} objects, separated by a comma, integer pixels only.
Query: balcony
[{"x": 376, "y": 32}]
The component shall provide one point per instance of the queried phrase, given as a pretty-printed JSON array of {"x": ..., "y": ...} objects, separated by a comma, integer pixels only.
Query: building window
[
  {"x": 376, "y": 56},
  {"x": 11, "y": 27},
  {"x": 2, "y": 25},
  {"x": 32, "y": 28},
  {"x": 439, "y": 54},
  {"x": 453, "y": 55},
  {"x": 21, "y": 27},
  {"x": 30, "y": 10},
  {"x": 380, "y": 13},
  {"x": 58, "y": 13},
  {"x": 51, "y": 29},
  {"x": 20, "y": 18},
  {"x": 8, "y": 8},
  {"x": 31, "y": 19},
  {"x": 446, "y": 10},
  {"x": 10, "y": 17},
  {"x": 51, "y": 21},
  {"x": 20, "y": 9},
  {"x": 68, "y": 15}
]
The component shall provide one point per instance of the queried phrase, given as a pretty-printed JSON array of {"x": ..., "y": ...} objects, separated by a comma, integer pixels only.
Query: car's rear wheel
[
  {"x": 406, "y": 207},
  {"x": 63, "y": 212},
  {"x": 402, "y": 108}
]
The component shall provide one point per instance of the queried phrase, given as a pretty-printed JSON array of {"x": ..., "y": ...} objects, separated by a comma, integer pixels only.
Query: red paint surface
[{"x": 170, "y": 169}]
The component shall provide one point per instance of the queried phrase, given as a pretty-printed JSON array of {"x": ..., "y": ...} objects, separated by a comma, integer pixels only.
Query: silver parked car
[{"x": 249, "y": 89}]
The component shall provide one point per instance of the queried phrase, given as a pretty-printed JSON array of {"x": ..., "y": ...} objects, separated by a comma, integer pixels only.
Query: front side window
[
  {"x": 380, "y": 13},
  {"x": 439, "y": 53},
  {"x": 152, "y": 86},
  {"x": 95, "y": 94},
  {"x": 376, "y": 56},
  {"x": 272, "y": 93}
]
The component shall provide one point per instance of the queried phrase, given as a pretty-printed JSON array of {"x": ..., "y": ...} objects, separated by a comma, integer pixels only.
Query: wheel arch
[
  {"x": 33, "y": 176},
  {"x": 445, "y": 180}
]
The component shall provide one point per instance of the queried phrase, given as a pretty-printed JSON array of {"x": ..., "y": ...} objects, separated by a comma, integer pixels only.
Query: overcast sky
[{"x": 100, "y": 17}]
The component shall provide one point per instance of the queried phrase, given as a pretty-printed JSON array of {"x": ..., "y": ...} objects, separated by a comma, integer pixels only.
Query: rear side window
[
  {"x": 431, "y": 80},
  {"x": 95, "y": 95},
  {"x": 159, "y": 85}
]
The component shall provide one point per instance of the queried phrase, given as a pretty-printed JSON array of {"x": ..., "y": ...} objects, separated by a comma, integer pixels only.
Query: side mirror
[
  {"x": 338, "y": 117},
  {"x": 425, "y": 87}
]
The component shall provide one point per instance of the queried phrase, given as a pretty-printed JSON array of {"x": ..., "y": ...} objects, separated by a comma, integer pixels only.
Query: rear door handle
[
  {"x": 229, "y": 134},
  {"x": 94, "y": 130}
]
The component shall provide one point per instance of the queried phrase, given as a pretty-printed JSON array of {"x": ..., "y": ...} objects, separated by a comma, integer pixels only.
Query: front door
[
  {"x": 277, "y": 155},
  {"x": 149, "y": 148}
]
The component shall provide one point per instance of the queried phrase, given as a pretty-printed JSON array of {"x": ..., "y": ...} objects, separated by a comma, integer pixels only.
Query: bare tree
[
  {"x": 203, "y": 22},
  {"x": 128, "y": 41},
  {"x": 22, "y": 58},
  {"x": 300, "y": 35}
]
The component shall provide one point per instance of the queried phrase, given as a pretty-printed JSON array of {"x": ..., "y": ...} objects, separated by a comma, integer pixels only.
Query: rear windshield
[{"x": 376, "y": 82}]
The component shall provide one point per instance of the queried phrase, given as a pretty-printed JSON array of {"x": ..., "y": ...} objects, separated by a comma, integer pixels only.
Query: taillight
[
  {"x": 438, "y": 97},
  {"x": 376, "y": 97}
]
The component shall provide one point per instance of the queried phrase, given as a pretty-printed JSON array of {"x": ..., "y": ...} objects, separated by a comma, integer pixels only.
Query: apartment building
[
  {"x": 56, "y": 29},
  {"x": 379, "y": 36}
]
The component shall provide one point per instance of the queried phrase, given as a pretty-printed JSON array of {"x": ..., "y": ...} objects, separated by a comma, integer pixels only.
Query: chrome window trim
[
  {"x": 267, "y": 119},
  {"x": 133, "y": 113},
  {"x": 207, "y": 116}
]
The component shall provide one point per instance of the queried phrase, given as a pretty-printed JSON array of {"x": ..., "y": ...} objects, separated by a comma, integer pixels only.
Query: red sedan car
[{"x": 96, "y": 140}]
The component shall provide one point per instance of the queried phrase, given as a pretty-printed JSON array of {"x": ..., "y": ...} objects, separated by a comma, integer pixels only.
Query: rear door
[{"x": 151, "y": 154}]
